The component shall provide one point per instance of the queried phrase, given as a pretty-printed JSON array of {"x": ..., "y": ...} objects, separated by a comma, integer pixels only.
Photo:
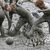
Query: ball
[{"x": 9, "y": 41}]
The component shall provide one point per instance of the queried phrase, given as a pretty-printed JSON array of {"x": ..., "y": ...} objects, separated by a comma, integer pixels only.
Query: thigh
[
  {"x": 2, "y": 15},
  {"x": 20, "y": 23}
]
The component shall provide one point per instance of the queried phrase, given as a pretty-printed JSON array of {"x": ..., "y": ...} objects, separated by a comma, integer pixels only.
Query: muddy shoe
[
  {"x": 13, "y": 33},
  {"x": 2, "y": 33}
]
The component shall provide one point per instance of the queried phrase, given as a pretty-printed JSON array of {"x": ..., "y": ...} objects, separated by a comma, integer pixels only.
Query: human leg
[
  {"x": 2, "y": 16},
  {"x": 19, "y": 24}
]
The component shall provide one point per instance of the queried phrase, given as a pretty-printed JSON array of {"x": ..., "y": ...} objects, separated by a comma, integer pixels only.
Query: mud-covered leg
[
  {"x": 34, "y": 26},
  {"x": 19, "y": 24},
  {"x": 10, "y": 16},
  {"x": 2, "y": 16},
  {"x": 1, "y": 28}
]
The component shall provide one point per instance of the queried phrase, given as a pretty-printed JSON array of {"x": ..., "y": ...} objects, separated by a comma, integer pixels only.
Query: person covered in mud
[
  {"x": 8, "y": 8},
  {"x": 45, "y": 8},
  {"x": 7, "y": 5},
  {"x": 3, "y": 6}
]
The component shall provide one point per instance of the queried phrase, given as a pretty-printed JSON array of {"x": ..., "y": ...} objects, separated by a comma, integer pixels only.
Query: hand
[
  {"x": 9, "y": 8},
  {"x": 13, "y": 6}
]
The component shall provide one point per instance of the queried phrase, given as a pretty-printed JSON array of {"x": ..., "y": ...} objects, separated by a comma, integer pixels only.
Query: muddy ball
[{"x": 9, "y": 41}]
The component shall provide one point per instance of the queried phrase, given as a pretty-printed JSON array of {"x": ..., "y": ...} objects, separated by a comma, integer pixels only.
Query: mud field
[{"x": 20, "y": 42}]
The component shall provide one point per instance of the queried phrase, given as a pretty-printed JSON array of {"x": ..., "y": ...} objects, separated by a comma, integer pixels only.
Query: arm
[{"x": 45, "y": 10}]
